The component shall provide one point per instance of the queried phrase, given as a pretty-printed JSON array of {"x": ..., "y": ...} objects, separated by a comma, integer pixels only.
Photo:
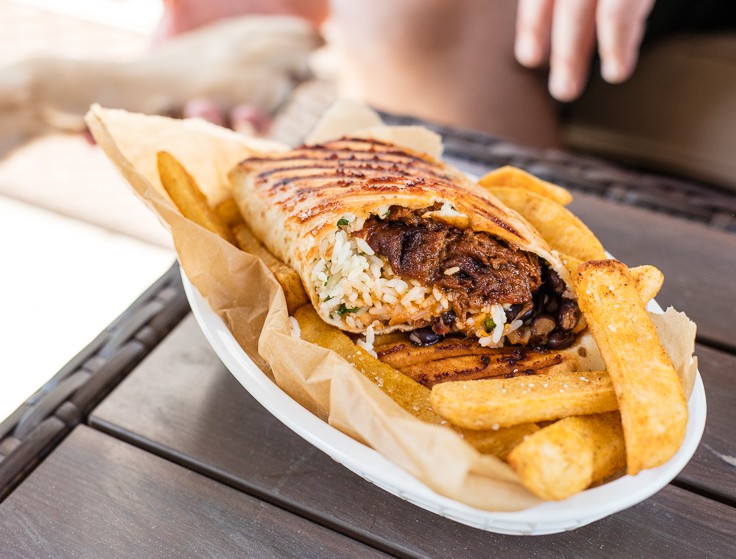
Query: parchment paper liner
[{"x": 240, "y": 289}]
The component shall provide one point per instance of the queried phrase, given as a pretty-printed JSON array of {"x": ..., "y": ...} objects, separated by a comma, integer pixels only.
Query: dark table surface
[{"x": 178, "y": 460}]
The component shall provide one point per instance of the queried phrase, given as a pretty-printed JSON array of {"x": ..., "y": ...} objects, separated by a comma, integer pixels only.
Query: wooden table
[{"x": 178, "y": 460}]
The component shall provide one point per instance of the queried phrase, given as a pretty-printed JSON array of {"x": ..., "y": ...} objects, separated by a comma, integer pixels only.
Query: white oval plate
[{"x": 547, "y": 518}]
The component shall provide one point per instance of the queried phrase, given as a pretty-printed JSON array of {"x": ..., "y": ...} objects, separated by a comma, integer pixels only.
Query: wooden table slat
[
  {"x": 712, "y": 471},
  {"x": 96, "y": 496},
  {"x": 182, "y": 403}
]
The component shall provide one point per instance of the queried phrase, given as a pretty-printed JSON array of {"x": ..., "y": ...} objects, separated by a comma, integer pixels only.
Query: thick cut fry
[
  {"x": 558, "y": 226},
  {"x": 464, "y": 359},
  {"x": 649, "y": 393},
  {"x": 410, "y": 395},
  {"x": 400, "y": 353},
  {"x": 567, "y": 456},
  {"x": 648, "y": 280},
  {"x": 476, "y": 367},
  {"x": 570, "y": 262},
  {"x": 186, "y": 195},
  {"x": 184, "y": 191},
  {"x": 287, "y": 278},
  {"x": 493, "y": 403},
  {"x": 518, "y": 178},
  {"x": 229, "y": 212},
  {"x": 498, "y": 443}
]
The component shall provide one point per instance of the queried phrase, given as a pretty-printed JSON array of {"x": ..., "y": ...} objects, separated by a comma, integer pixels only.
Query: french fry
[
  {"x": 566, "y": 457},
  {"x": 558, "y": 226},
  {"x": 498, "y": 443},
  {"x": 409, "y": 394},
  {"x": 229, "y": 212},
  {"x": 186, "y": 195},
  {"x": 477, "y": 367},
  {"x": 649, "y": 393},
  {"x": 400, "y": 353},
  {"x": 648, "y": 280},
  {"x": 290, "y": 281},
  {"x": 494, "y": 403},
  {"x": 463, "y": 359},
  {"x": 518, "y": 178},
  {"x": 570, "y": 262}
]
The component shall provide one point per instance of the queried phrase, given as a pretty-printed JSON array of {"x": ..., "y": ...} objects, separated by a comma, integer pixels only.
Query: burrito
[{"x": 386, "y": 239}]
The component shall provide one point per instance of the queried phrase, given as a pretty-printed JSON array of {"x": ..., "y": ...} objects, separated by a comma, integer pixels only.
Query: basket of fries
[{"x": 515, "y": 415}]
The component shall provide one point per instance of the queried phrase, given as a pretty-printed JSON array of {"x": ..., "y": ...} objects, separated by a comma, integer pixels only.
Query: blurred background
[{"x": 70, "y": 263}]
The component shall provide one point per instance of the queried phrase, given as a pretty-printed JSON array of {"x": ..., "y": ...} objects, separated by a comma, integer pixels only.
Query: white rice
[
  {"x": 448, "y": 210},
  {"x": 367, "y": 343},
  {"x": 357, "y": 289}
]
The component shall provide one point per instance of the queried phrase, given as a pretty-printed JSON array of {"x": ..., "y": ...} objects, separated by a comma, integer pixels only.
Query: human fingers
[
  {"x": 620, "y": 25},
  {"x": 573, "y": 39},
  {"x": 533, "y": 28},
  {"x": 205, "y": 109},
  {"x": 249, "y": 119}
]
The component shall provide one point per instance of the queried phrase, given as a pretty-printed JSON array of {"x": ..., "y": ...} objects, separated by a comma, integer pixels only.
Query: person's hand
[{"x": 564, "y": 32}]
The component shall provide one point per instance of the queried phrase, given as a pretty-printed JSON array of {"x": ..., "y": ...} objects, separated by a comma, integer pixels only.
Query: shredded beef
[{"x": 422, "y": 249}]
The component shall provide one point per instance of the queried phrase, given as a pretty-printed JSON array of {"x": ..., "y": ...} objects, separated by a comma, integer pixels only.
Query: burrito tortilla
[{"x": 388, "y": 239}]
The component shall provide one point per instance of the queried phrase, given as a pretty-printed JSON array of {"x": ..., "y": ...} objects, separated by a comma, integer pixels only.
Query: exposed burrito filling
[{"x": 416, "y": 267}]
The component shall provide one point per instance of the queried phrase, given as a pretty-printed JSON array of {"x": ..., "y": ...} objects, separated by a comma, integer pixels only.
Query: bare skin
[
  {"x": 181, "y": 16},
  {"x": 459, "y": 62},
  {"x": 451, "y": 62}
]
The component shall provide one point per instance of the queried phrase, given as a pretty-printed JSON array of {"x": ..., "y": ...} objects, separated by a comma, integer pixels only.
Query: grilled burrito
[{"x": 387, "y": 239}]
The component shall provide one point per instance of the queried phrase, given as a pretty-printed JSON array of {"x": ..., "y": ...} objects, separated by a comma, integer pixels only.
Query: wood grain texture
[
  {"x": 698, "y": 262},
  {"x": 712, "y": 471},
  {"x": 96, "y": 496},
  {"x": 182, "y": 403}
]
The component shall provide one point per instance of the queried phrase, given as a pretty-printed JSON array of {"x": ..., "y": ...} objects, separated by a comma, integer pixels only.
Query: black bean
[
  {"x": 552, "y": 305},
  {"x": 520, "y": 311},
  {"x": 448, "y": 317},
  {"x": 569, "y": 314},
  {"x": 560, "y": 339},
  {"x": 528, "y": 313},
  {"x": 543, "y": 325},
  {"x": 512, "y": 311},
  {"x": 555, "y": 282},
  {"x": 540, "y": 301},
  {"x": 424, "y": 337}
]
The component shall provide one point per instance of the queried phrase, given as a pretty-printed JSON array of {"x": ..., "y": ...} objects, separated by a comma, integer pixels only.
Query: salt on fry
[
  {"x": 649, "y": 393},
  {"x": 648, "y": 280},
  {"x": 481, "y": 404},
  {"x": 566, "y": 457}
]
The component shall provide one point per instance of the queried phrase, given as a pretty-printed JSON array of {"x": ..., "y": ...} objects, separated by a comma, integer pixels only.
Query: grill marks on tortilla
[{"x": 358, "y": 165}]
